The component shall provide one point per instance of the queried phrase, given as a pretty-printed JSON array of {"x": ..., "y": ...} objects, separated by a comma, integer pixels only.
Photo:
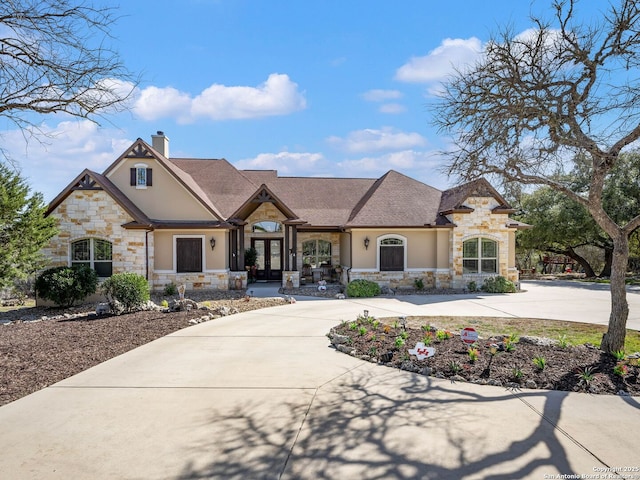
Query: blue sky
[{"x": 324, "y": 88}]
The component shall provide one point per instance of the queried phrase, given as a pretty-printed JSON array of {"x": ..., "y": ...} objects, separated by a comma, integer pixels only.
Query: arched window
[
  {"x": 266, "y": 227},
  {"x": 316, "y": 253},
  {"x": 480, "y": 255},
  {"x": 392, "y": 254},
  {"x": 95, "y": 253}
]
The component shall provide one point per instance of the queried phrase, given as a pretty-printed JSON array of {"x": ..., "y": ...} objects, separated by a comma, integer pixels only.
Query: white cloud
[
  {"x": 370, "y": 140},
  {"x": 286, "y": 163},
  {"x": 155, "y": 102},
  {"x": 421, "y": 165},
  {"x": 278, "y": 95},
  {"x": 379, "y": 95},
  {"x": 48, "y": 163},
  {"x": 392, "y": 108},
  {"x": 440, "y": 62}
]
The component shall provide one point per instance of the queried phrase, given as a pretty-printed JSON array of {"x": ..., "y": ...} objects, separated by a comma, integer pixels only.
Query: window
[
  {"x": 391, "y": 254},
  {"x": 316, "y": 253},
  {"x": 95, "y": 253},
  {"x": 188, "y": 254},
  {"x": 480, "y": 255},
  {"x": 141, "y": 176},
  {"x": 266, "y": 227}
]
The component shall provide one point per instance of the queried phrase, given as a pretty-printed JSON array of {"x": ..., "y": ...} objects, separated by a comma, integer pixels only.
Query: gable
[
  {"x": 397, "y": 200},
  {"x": 174, "y": 195}
]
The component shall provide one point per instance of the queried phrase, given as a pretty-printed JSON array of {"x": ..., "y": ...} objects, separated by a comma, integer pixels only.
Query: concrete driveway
[{"x": 261, "y": 395}]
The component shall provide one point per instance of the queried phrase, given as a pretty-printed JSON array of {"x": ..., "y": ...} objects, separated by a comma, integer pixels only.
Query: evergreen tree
[{"x": 24, "y": 230}]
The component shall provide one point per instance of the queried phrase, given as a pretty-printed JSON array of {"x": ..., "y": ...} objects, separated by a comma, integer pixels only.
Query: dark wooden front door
[{"x": 269, "y": 258}]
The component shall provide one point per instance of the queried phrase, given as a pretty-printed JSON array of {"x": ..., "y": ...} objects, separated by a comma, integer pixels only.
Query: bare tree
[
  {"x": 55, "y": 58},
  {"x": 540, "y": 99}
]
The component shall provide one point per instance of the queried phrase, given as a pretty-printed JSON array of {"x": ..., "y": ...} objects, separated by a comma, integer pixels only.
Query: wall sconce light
[
  {"x": 366, "y": 243},
  {"x": 212, "y": 242}
]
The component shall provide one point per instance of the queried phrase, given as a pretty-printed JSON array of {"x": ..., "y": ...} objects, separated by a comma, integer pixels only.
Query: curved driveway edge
[{"x": 261, "y": 395}]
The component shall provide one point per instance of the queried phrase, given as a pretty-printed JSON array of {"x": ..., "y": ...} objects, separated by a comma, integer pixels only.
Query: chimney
[{"x": 160, "y": 143}]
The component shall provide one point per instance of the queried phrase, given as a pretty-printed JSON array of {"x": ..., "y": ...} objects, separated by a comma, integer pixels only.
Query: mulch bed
[
  {"x": 564, "y": 367},
  {"x": 36, "y": 354}
]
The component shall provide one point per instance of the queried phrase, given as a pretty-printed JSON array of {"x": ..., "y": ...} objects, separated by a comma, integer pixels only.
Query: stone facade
[
  {"x": 481, "y": 223},
  {"x": 431, "y": 278},
  {"x": 94, "y": 214}
]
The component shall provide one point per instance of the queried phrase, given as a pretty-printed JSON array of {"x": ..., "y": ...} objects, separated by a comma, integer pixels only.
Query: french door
[{"x": 269, "y": 260}]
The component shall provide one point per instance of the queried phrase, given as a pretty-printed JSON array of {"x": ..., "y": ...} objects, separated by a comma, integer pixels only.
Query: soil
[{"x": 564, "y": 368}]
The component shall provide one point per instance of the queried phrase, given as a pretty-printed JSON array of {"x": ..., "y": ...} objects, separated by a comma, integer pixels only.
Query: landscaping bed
[
  {"x": 502, "y": 360},
  {"x": 41, "y": 346}
]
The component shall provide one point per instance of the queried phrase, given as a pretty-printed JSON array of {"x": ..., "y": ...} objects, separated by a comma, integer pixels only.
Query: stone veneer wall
[
  {"x": 221, "y": 280},
  {"x": 481, "y": 223},
  {"x": 94, "y": 214},
  {"x": 431, "y": 278}
]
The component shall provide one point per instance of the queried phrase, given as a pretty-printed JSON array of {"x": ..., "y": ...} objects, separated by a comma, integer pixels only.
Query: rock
[
  {"x": 427, "y": 371},
  {"x": 194, "y": 321},
  {"x": 539, "y": 341},
  {"x": 494, "y": 382},
  {"x": 182, "y": 305},
  {"x": 531, "y": 384},
  {"x": 346, "y": 349},
  {"x": 440, "y": 375},
  {"x": 103, "y": 309},
  {"x": 458, "y": 378},
  {"x": 513, "y": 385},
  {"x": 623, "y": 393},
  {"x": 337, "y": 339},
  {"x": 340, "y": 296}
]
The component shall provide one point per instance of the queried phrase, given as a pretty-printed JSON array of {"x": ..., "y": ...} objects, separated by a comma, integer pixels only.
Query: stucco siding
[{"x": 165, "y": 199}]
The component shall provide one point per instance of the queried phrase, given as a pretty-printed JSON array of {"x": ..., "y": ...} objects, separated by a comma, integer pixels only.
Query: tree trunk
[
  {"x": 613, "y": 340},
  {"x": 608, "y": 258},
  {"x": 588, "y": 271}
]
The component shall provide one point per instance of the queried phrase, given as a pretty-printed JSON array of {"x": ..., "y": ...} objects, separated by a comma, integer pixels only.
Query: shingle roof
[
  {"x": 393, "y": 200},
  {"x": 453, "y": 199},
  {"x": 397, "y": 200},
  {"x": 218, "y": 181}
]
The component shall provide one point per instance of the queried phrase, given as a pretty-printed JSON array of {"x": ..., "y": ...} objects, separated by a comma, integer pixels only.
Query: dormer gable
[
  {"x": 264, "y": 195},
  {"x": 453, "y": 200}
]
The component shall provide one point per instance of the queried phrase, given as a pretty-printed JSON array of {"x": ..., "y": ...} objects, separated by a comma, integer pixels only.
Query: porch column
[
  {"x": 233, "y": 250},
  {"x": 241, "y": 252},
  {"x": 287, "y": 254},
  {"x": 294, "y": 241}
]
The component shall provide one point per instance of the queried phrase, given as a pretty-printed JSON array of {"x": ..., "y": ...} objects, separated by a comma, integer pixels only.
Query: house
[{"x": 189, "y": 221}]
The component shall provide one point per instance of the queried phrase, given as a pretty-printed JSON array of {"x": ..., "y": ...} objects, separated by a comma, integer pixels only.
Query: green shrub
[
  {"x": 170, "y": 289},
  {"x": 419, "y": 284},
  {"x": 363, "y": 288},
  {"x": 498, "y": 285},
  {"x": 65, "y": 286},
  {"x": 126, "y": 292}
]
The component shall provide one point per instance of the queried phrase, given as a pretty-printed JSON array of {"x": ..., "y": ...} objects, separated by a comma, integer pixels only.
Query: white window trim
[
  {"x": 391, "y": 235},
  {"x": 479, "y": 238},
  {"x": 175, "y": 253},
  {"x": 144, "y": 166}
]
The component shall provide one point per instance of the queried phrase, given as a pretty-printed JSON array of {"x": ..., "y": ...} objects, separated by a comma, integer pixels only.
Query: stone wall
[
  {"x": 94, "y": 214},
  {"x": 195, "y": 281},
  {"x": 481, "y": 223},
  {"x": 431, "y": 278}
]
